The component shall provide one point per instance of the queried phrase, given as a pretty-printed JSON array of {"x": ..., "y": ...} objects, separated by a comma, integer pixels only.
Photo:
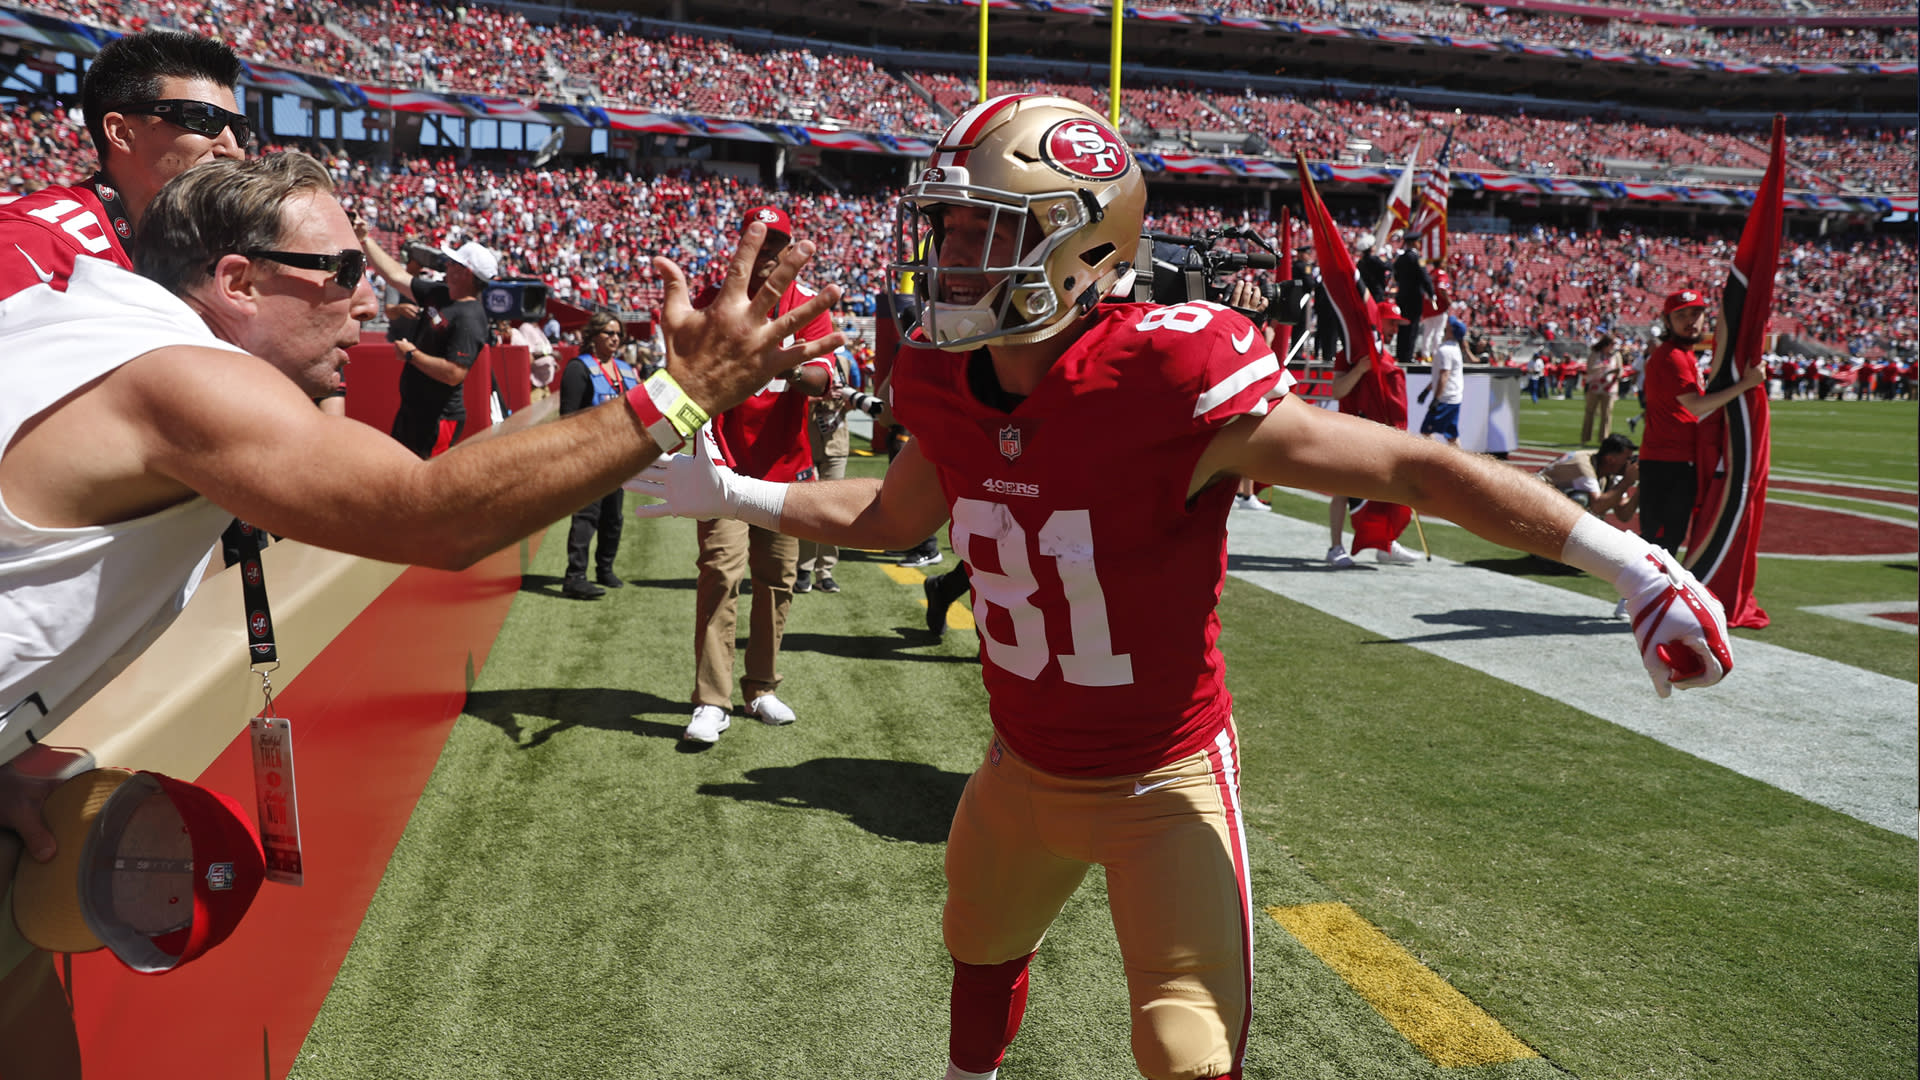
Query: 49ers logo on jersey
[{"x": 1085, "y": 149}]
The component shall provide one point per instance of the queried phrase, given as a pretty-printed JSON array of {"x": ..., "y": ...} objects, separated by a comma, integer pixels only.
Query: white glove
[
  {"x": 1681, "y": 627},
  {"x": 698, "y": 486}
]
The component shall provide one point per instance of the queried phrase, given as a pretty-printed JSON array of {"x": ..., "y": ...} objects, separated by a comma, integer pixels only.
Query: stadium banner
[
  {"x": 412, "y": 101},
  {"x": 77, "y": 38},
  {"x": 1732, "y": 448}
]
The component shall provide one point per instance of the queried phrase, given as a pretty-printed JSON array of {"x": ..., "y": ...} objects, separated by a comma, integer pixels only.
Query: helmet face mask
[{"x": 1045, "y": 204}]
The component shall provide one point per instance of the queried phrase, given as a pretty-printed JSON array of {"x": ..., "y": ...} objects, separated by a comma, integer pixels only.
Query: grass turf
[{"x": 577, "y": 897}]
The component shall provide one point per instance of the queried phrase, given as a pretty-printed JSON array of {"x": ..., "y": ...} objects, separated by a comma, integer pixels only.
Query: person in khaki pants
[
  {"x": 764, "y": 436},
  {"x": 831, "y": 445},
  {"x": 1603, "y": 385}
]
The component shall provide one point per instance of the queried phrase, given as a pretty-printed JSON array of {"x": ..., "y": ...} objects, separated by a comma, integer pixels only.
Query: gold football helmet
[{"x": 1056, "y": 174}]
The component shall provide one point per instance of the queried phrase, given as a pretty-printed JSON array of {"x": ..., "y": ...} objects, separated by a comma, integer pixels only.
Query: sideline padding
[{"x": 376, "y": 660}]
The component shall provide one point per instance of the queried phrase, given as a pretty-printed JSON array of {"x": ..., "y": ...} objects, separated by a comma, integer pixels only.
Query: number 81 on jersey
[{"x": 1067, "y": 539}]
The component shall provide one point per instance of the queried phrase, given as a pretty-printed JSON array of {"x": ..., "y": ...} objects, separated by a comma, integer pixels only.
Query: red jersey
[
  {"x": 1094, "y": 578},
  {"x": 765, "y": 436},
  {"x": 1671, "y": 371},
  {"x": 41, "y": 234}
]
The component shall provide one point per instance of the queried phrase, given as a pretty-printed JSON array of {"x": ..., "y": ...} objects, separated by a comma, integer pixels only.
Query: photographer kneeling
[{"x": 1606, "y": 480}]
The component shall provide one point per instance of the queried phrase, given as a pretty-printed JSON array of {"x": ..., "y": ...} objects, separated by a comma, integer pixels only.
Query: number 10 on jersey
[{"x": 1067, "y": 539}]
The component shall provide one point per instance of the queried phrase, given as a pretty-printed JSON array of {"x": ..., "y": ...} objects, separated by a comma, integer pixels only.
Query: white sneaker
[
  {"x": 1338, "y": 558},
  {"x": 955, "y": 1072},
  {"x": 1246, "y": 502},
  {"x": 771, "y": 710},
  {"x": 707, "y": 724},
  {"x": 1620, "y": 608},
  {"x": 1396, "y": 555}
]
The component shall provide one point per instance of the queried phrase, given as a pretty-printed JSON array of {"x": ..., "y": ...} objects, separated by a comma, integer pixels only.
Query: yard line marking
[
  {"x": 1775, "y": 719},
  {"x": 1437, "y": 1019}
]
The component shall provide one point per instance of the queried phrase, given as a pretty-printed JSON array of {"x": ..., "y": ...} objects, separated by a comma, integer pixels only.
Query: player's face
[
  {"x": 972, "y": 237},
  {"x": 306, "y": 321},
  {"x": 164, "y": 149}
]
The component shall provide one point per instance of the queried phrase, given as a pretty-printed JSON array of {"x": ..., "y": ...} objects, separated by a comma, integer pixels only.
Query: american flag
[{"x": 1431, "y": 222}]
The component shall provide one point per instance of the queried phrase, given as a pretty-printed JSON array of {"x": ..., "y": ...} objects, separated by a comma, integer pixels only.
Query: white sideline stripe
[
  {"x": 1829, "y": 732},
  {"x": 1774, "y": 501},
  {"x": 1868, "y": 614},
  {"x": 1872, "y": 483}
]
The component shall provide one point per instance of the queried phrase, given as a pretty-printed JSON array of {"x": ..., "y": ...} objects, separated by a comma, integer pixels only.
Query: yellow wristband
[{"x": 665, "y": 410}]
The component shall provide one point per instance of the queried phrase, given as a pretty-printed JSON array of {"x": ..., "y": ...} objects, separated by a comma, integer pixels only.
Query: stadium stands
[{"x": 593, "y": 232}]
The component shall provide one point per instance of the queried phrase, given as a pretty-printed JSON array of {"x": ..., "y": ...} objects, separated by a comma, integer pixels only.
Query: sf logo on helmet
[{"x": 1086, "y": 150}]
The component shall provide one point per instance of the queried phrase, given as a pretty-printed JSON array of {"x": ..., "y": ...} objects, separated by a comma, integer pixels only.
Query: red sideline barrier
[
  {"x": 373, "y": 384},
  {"x": 370, "y": 715},
  {"x": 513, "y": 371}
]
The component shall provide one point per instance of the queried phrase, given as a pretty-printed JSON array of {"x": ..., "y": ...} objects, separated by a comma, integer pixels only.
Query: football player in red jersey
[
  {"x": 1113, "y": 738},
  {"x": 157, "y": 104}
]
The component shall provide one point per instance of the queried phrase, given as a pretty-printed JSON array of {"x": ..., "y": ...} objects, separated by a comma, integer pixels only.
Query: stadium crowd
[{"x": 497, "y": 52}]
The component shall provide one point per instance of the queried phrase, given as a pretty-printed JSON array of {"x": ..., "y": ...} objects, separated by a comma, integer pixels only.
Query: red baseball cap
[
  {"x": 1684, "y": 298},
  {"x": 156, "y": 869},
  {"x": 1387, "y": 311},
  {"x": 774, "y": 218}
]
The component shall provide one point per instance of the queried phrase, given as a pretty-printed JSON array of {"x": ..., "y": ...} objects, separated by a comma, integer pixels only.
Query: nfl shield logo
[
  {"x": 220, "y": 877},
  {"x": 1010, "y": 442}
]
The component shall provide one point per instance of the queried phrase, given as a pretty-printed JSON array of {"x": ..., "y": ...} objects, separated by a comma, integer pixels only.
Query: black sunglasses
[
  {"x": 347, "y": 267},
  {"x": 199, "y": 117}
]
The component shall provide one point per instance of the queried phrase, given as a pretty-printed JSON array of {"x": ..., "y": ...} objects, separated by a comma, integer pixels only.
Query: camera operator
[{"x": 432, "y": 412}]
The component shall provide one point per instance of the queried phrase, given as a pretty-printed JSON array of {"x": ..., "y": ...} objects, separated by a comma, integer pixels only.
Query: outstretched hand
[
  {"x": 700, "y": 486},
  {"x": 722, "y": 353}
]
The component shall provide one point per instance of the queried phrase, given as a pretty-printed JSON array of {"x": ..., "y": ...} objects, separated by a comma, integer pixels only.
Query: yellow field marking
[
  {"x": 959, "y": 616},
  {"x": 903, "y": 575},
  {"x": 1437, "y": 1019}
]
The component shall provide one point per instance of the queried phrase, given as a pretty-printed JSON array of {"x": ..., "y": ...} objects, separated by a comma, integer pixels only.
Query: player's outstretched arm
[
  {"x": 1680, "y": 626},
  {"x": 231, "y": 427},
  {"x": 897, "y": 512}
]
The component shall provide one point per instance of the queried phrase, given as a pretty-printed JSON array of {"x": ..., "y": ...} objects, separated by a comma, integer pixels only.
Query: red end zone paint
[{"x": 370, "y": 716}]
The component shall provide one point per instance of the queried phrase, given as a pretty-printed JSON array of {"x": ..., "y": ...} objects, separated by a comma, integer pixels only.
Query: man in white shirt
[{"x": 1449, "y": 385}]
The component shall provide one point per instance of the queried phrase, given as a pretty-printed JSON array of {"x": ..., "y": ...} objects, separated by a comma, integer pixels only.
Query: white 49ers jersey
[{"x": 1095, "y": 579}]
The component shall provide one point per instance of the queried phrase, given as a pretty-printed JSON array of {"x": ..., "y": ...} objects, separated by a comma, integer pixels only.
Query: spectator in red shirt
[{"x": 764, "y": 436}]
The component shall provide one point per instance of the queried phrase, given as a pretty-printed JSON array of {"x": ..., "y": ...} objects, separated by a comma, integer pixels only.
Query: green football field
[{"x": 1457, "y": 878}]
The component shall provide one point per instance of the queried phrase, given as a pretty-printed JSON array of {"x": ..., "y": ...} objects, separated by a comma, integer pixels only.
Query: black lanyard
[
  {"x": 109, "y": 197},
  {"x": 241, "y": 544}
]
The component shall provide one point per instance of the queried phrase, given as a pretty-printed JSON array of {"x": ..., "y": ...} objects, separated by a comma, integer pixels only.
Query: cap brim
[{"x": 46, "y": 896}]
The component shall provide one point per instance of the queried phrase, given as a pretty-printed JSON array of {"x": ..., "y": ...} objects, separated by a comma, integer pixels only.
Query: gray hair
[{"x": 220, "y": 208}]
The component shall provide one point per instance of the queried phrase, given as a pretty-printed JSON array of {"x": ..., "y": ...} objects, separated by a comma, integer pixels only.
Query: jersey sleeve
[
  {"x": 1237, "y": 372},
  {"x": 31, "y": 255}
]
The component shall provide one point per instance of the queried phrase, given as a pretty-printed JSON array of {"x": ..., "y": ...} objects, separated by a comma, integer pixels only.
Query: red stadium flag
[
  {"x": 1337, "y": 272},
  {"x": 1733, "y": 446},
  {"x": 1283, "y": 334},
  {"x": 1431, "y": 221},
  {"x": 1381, "y": 395}
]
